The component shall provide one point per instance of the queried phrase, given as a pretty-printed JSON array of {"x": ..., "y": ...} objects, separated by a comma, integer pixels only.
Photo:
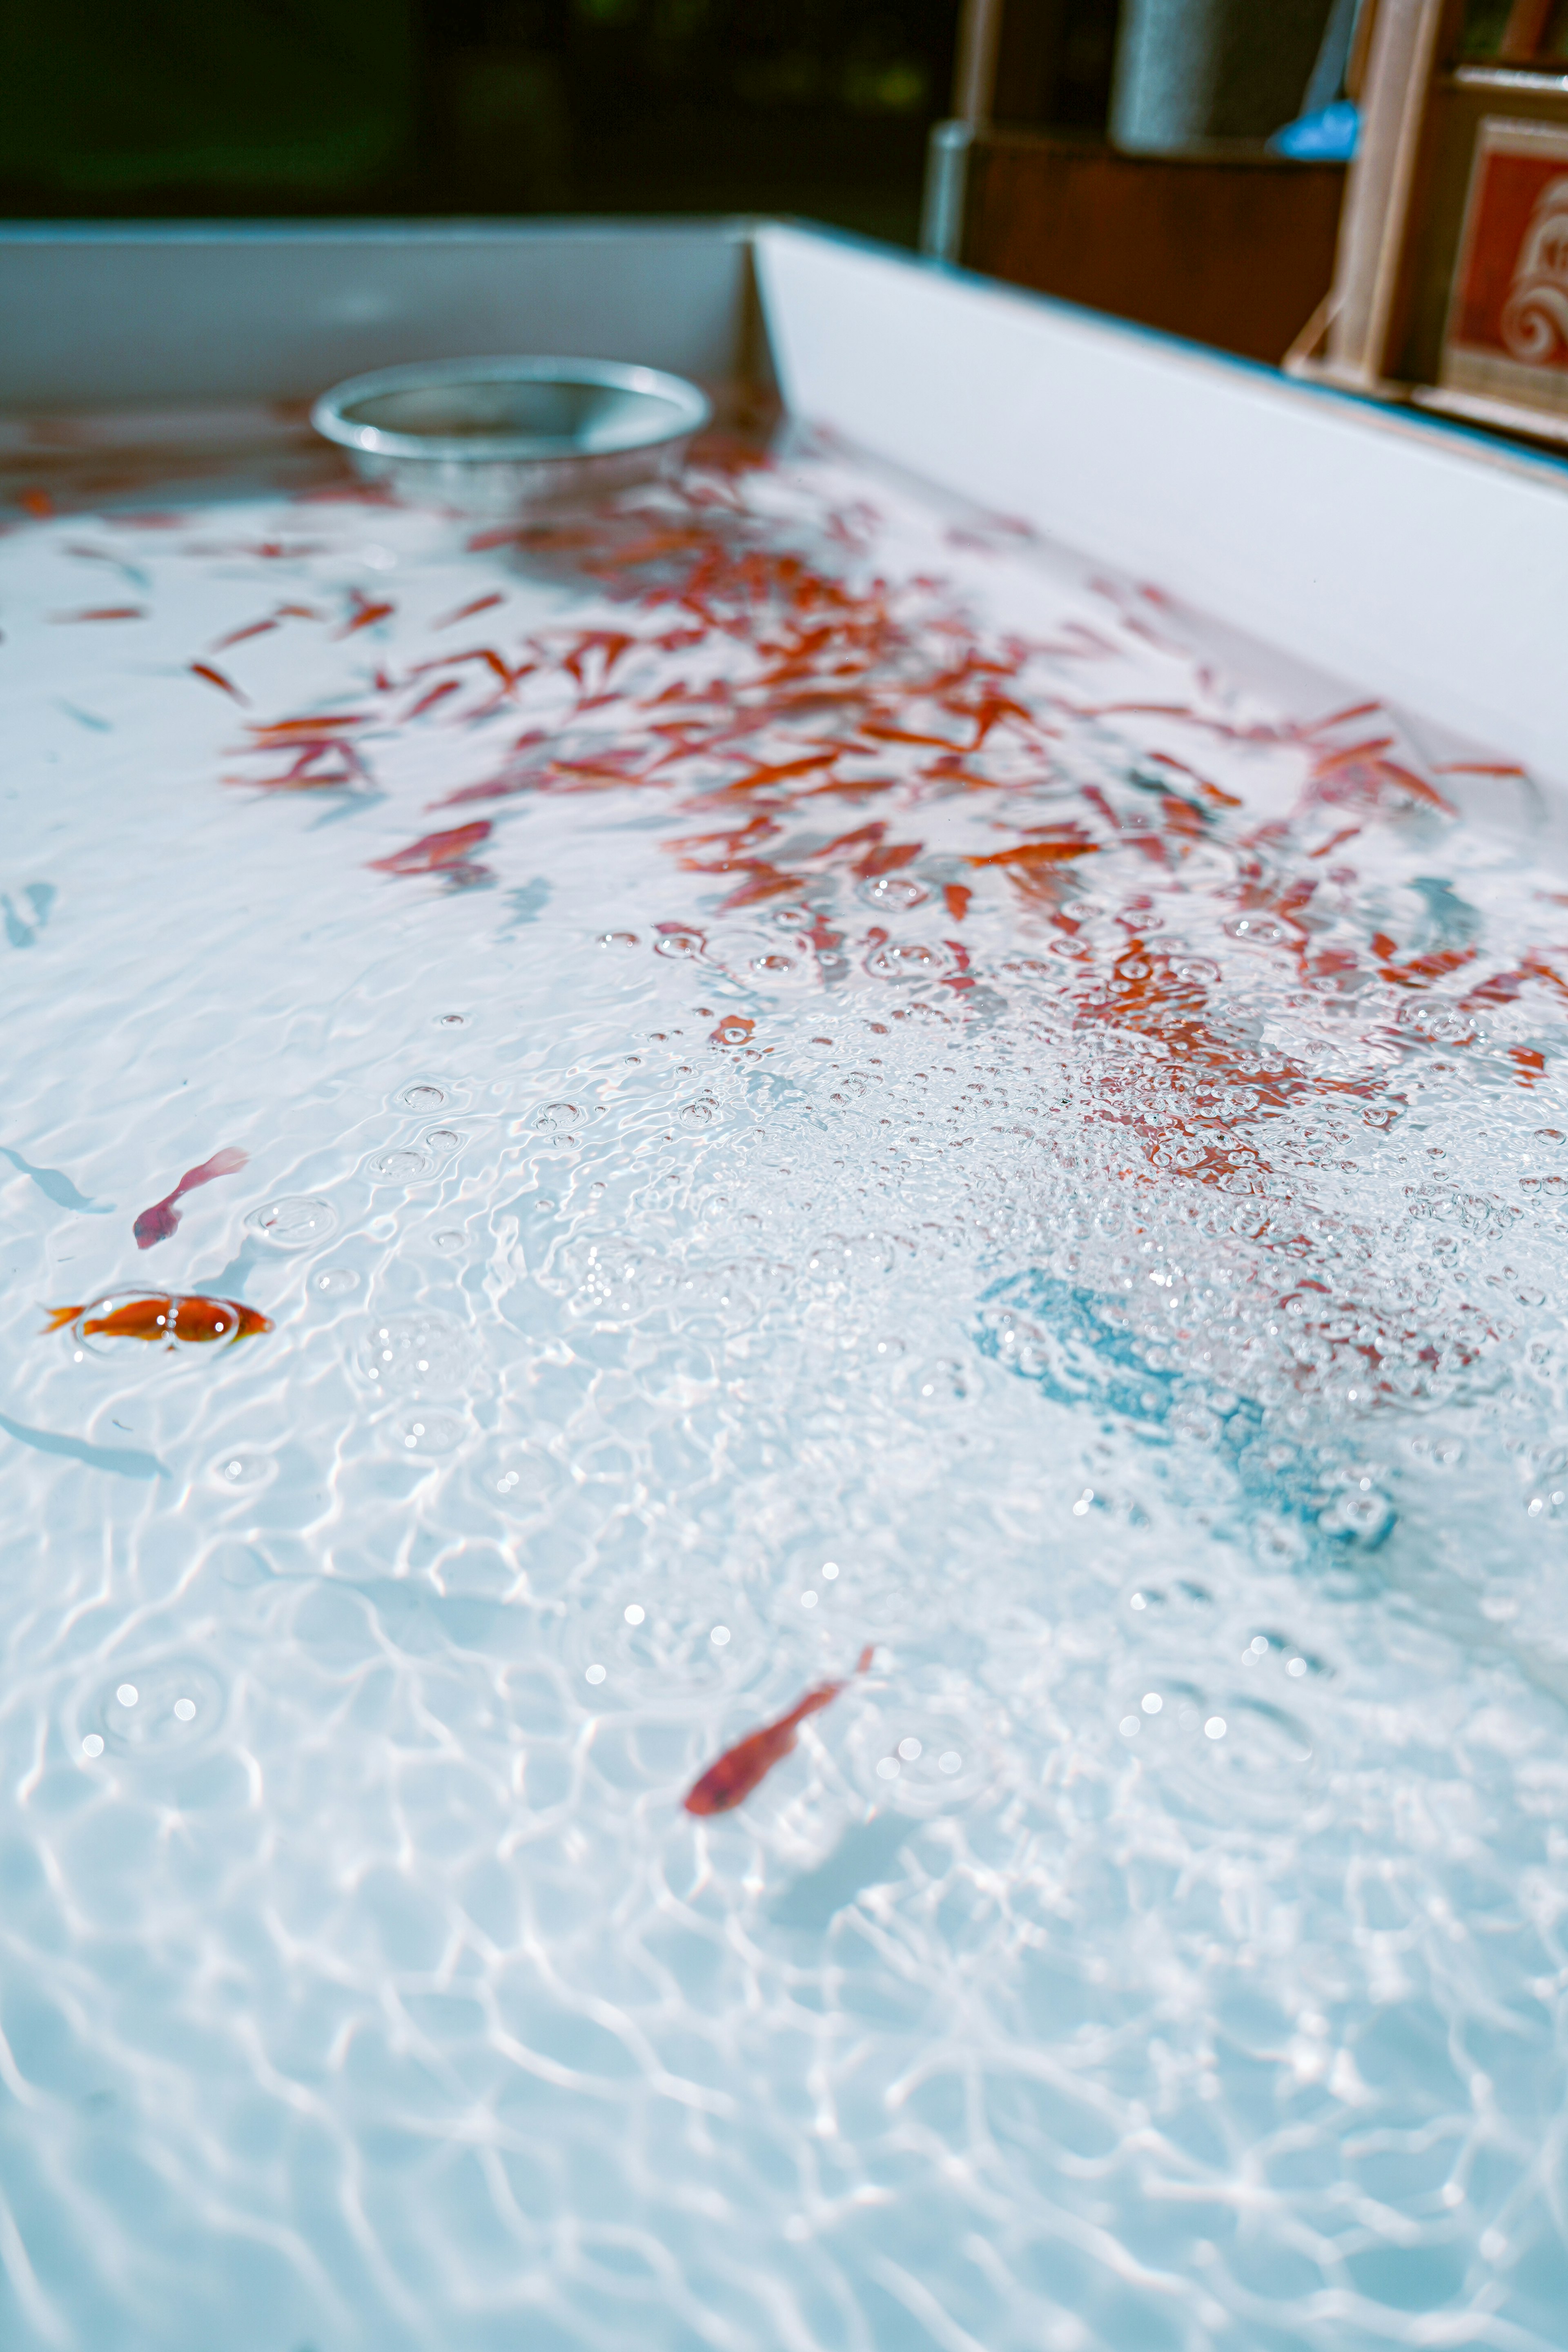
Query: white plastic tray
[{"x": 1425, "y": 561}]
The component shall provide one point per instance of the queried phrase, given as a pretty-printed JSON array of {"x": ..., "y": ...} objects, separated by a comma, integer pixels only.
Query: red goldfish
[
  {"x": 737, "y": 1772},
  {"x": 156, "y": 1224},
  {"x": 438, "y": 853},
  {"x": 160, "y": 1315},
  {"x": 215, "y": 677},
  {"x": 365, "y": 612},
  {"x": 464, "y": 611}
]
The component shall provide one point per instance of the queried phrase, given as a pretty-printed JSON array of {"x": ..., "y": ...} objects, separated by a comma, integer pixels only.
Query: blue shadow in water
[{"x": 1080, "y": 1350}]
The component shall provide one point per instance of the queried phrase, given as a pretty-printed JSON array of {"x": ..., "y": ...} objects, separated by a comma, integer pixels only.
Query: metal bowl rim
[{"x": 693, "y": 409}]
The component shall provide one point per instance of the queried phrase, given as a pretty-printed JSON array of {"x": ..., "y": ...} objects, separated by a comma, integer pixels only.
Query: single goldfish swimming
[
  {"x": 160, "y": 1315},
  {"x": 436, "y": 853},
  {"x": 156, "y": 1224},
  {"x": 737, "y": 1772}
]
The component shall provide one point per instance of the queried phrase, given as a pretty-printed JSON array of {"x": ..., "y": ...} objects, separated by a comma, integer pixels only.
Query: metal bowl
[{"x": 505, "y": 437}]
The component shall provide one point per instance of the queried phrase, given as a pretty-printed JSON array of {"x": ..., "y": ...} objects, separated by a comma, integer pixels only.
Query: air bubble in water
[
  {"x": 424, "y": 1353},
  {"x": 244, "y": 1468},
  {"x": 430, "y": 1433},
  {"x": 905, "y": 960},
  {"x": 337, "y": 1280},
  {"x": 173, "y": 1704},
  {"x": 399, "y": 1167},
  {"x": 1356, "y": 1517},
  {"x": 294, "y": 1224},
  {"x": 422, "y": 1096},
  {"x": 898, "y": 891}
]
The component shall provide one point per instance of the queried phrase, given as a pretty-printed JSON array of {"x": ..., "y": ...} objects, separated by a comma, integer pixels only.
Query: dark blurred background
[{"x": 204, "y": 107}]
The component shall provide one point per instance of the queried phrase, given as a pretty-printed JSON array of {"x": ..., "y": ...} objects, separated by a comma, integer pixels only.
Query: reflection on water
[{"x": 971, "y": 1118}]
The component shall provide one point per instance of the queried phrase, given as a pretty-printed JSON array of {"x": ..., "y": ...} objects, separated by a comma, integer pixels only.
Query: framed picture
[
  {"x": 1506, "y": 338},
  {"x": 1451, "y": 284}
]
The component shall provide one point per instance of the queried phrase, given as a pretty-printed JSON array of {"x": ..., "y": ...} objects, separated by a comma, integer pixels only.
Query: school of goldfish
[
  {"x": 911, "y": 792},
  {"x": 837, "y": 737}
]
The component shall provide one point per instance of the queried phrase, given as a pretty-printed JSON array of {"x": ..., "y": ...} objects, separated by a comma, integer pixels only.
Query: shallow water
[{"x": 704, "y": 1234}]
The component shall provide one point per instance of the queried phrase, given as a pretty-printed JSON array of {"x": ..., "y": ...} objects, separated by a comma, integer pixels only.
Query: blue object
[
  {"x": 1083, "y": 1350},
  {"x": 1328, "y": 136}
]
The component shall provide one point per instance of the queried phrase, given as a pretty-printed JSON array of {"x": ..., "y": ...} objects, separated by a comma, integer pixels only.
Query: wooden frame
[{"x": 1428, "y": 225}]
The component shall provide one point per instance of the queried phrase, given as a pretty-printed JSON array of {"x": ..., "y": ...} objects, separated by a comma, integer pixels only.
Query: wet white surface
[{"x": 1122, "y": 1282}]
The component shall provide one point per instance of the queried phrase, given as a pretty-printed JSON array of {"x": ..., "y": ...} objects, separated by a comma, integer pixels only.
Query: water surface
[{"x": 814, "y": 1072}]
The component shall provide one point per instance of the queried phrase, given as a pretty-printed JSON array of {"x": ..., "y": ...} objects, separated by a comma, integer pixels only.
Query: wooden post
[
  {"x": 947, "y": 149},
  {"x": 975, "y": 75},
  {"x": 1405, "y": 50},
  {"x": 1524, "y": 32}
]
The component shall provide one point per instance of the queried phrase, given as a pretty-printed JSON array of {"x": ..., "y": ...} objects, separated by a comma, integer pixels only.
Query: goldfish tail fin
[
  {"x": 60, "y": 1317},
  {"x": 863, "y": 1663}
]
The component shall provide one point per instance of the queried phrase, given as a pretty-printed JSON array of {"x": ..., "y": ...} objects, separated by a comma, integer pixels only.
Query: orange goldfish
[
  {"x": 737, "y": 1772},
  {"x": 438, "y": 853},
  {"x": 160, "y": 1315}
]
